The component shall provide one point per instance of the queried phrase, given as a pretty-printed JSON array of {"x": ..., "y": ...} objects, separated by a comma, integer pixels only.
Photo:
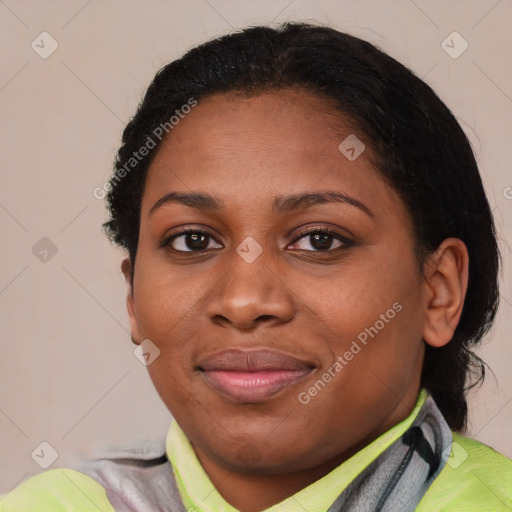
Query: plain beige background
[{"x": 68, "y": 374}]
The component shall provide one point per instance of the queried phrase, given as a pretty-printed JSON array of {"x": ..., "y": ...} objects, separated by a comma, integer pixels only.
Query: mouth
[{"x": 252, "y": 376}]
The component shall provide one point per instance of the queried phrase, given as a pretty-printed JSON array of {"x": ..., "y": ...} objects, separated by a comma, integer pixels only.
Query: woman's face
[{"x": 281, "y": 348}]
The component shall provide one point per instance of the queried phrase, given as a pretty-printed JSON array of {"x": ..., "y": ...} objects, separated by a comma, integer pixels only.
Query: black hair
[{"x": 420, "y": 148}]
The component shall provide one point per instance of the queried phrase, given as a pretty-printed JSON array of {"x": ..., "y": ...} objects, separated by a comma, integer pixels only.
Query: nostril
[{"x": 265, "y": 317}]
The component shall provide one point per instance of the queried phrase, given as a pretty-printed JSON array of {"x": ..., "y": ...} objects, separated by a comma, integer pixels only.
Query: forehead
[
  {"x": 250, "y": 147},
  {"x": 290, "y": 119}
]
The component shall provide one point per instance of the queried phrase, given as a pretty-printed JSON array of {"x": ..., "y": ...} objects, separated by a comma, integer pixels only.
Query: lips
[{"x": 253, "y": 376}]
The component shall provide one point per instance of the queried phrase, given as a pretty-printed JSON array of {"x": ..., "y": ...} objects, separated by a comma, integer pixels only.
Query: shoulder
[
  {"x": 475, "y": 478},
  {"x": 58, "y": 490},
  {"x": 136, "y": 478},
  {"x": 109, "y": 484}
]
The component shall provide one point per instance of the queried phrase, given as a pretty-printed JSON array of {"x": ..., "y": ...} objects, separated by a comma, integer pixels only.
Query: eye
[
  {"x": 314, "y": 240},
  {"x": 191, "y": 241},
  {"x": 322, "y": 240}
]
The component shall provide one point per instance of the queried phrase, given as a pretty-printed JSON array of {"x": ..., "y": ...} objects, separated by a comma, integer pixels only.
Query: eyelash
[
  {"x": 325, "y": 231},
  {"x": 346, "y": 243}
]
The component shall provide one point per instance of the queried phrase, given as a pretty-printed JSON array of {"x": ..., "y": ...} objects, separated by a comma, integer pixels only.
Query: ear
[
  {"x": 127, "y": 269},
  {"x": 446, "y": 278}
]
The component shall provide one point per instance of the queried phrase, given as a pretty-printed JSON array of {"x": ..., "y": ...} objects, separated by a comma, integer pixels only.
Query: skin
[{"x": 293, "y": 297}]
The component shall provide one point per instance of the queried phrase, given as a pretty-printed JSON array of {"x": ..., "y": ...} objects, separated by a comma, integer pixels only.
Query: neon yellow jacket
[
  {"x": 475, "y": 479},
  {"x": 482, "y": 483}
]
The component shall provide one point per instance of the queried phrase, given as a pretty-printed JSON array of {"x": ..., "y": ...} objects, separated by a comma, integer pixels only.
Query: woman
[{"x": 311, "y": 259}]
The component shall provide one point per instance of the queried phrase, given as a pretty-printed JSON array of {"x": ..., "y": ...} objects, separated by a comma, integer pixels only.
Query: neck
[{"x": 256, "y": 492}]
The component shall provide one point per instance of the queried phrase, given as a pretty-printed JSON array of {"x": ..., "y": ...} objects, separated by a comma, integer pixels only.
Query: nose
[{"x": 250, "y": 294}]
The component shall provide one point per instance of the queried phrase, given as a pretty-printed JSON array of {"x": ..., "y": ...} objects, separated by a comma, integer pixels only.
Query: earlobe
[
  {"x": 446, "y": 279},
  {"x": 127, "y": 269}
]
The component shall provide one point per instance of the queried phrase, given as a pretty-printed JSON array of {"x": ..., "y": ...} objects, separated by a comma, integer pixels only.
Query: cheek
[
  {"x": 171, "y": 384},
  {"x": 374, "y": 315},
  {"x": 164, "y": 299},
  {"x": 370, "y": 291}
]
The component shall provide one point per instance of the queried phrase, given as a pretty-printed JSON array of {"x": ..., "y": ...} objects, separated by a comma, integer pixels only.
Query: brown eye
[
  {"x": 191, "y": 241},
  {"x": 319, "y": 240}
]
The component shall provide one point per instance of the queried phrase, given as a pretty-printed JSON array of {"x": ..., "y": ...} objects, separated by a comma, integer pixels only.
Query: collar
[{"x": 198, "y": 492}]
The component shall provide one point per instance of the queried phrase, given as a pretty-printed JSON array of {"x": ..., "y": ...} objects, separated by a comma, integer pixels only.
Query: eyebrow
[{"x": 281, "y": 204}]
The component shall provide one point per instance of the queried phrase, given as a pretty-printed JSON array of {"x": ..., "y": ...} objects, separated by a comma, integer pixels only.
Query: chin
[{"x": 260, "y": 457}]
